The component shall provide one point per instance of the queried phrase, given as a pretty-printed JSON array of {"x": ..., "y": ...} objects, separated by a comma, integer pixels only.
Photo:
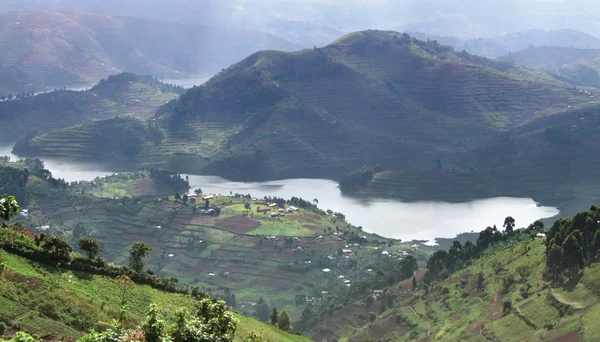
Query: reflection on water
[{"x": 390, "y": 218}]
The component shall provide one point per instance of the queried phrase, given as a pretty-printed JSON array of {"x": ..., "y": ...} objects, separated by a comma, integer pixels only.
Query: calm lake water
[
  {"x": 187, "y": 83},
  {"x": 390, "y": 218}
]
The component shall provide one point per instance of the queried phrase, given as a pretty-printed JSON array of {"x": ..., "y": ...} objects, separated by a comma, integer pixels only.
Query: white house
[
  {"x": 326, "y": 270},
  {"x": 540, "y": 235}
]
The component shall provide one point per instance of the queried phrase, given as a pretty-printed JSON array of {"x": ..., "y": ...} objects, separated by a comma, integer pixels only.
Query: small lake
[
  {"x": 389, "y": 218},
  {"x": 187, "y": 83}
]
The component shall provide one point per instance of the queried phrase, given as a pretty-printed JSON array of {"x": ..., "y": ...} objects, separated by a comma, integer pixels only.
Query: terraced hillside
[
  {"x": 56, "y": 304},
  {"x": 53, "y": 48},
  {"x": 120, "y": 95},
  {"x": 504, "y": 295},
  {"x": 371, "y": 97},
  {"x": 250, "y": 253}
]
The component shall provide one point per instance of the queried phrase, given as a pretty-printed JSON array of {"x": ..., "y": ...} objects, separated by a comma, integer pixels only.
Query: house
[
  {"x": 211, "y": 274},
  {"x": 171, "y": 255},
  {"x": 45, "y": 227},
  {"x": 326, "y": 270},
  {"x": 347, "y": 281},
  {"x": 209, "y": 197},
  {"x": 263, "y": 210},
  {"x": 385, "y": 253},
  {"x": 273, "y": 215},
  {"x": 346, "y": 251},
  {"x": 540, "y": 235},
  {"x": 294, "y": 208},
  {"x": 281, "y": 211},
  {"x": 369, "y": 270},
  {"x": 272, "y": 205},
  {"x": 341, "y": 277}
]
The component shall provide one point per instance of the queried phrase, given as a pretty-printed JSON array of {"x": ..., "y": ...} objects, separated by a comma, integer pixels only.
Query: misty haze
[{"x": 299, "y": 170}]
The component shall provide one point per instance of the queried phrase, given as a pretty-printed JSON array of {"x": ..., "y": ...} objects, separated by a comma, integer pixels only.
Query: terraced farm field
[{"x": 252, "y": 254}]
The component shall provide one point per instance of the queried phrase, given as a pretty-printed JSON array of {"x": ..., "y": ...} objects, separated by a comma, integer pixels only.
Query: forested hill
[
  {"x": 370, "y": 97},
  {"x": 45, "y": 49},
  {"x": 119, "y": 95}
]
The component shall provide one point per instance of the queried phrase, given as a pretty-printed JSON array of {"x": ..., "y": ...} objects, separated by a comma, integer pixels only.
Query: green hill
[
  {"x": 48, "y": 49},
  {"x": 241, "y": 251},
  {"x": 54, "y": 303},
  {"x": 119, "y": 95},
  {"x": 361, "y": 100},
  {"x": 508, "y": 293}
]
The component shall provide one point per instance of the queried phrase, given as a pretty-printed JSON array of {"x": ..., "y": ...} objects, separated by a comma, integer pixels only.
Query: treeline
[
  {"x": 572, "y": 243},
  {"x": 443, "y": 263},
  {"x": 352, "y": 182},
  {"x": 13, "y": 180},
  {"x": 115, "y": 83},
  {"x": 172, "y": 181}
]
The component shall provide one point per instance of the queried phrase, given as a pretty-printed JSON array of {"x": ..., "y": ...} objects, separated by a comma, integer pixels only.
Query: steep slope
[
  {"x": 53, "y": 48},
  {"x": 119, "y": 95},
  {"x": 505, "y": 294},
  {"x": 56, "y": 304}
]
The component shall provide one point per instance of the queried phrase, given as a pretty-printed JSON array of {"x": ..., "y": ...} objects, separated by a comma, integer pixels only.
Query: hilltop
[
  {"x": 119, "y": 95},
  {"x": 42, "y": 50},
  {"x": 363, "y": 99}
]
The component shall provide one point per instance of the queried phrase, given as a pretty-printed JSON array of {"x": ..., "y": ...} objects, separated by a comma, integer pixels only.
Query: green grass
[
  {"x": 282, "y": 228},
  {"x": 44, "y": 300}
]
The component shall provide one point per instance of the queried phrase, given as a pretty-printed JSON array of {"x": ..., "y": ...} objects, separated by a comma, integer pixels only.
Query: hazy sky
[{"x": 467, "y": 18}]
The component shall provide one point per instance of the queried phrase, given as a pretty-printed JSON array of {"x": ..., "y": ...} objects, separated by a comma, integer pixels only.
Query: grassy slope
[
  {"x": 468, "y": 313},
  {"x": 360, "y": 100},
  {"x": 53, "y": 48},
  {"x": 47, "y": 301},
  {"x": 121, "y": 95},
  {"x": 232, "y": 246}
]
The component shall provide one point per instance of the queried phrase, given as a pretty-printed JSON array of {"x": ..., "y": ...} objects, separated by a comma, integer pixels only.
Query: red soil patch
[
  {"x": 237, "y": 224},
  {"x": 570, "y": 337}
]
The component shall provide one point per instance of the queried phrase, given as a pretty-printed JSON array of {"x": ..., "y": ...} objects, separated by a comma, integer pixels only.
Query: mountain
[
  {"x": 550, "y": 57},
  {"x": 362, "y": 100},
  {"x": 514, "y": 42},
  {"x": 119, "y": 95},
  {"x": 46, "y": 49},
  {"x": 513, "y": 289}
]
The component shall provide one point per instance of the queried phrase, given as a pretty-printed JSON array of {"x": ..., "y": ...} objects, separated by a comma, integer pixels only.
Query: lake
[
  {"x": 389, "y": 218},
  {"x": 187, "y": 83}
]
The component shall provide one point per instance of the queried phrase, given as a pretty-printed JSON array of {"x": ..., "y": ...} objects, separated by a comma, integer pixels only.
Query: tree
[
  {"x": 177, "y": 196},
  {"x": 408, "y": 266},
  {"x": 57, "y": 248},
  {"x": 153, "y": 326},
  {"x": 198, "y": 191},
  {"x": 284, "y": 321},
  {"x": 506, "y": 306},
  {"x": 274, "y": 316},
  {"x": 509, "y": 224},
  {"x": 261, "y": 310},
  {"x": 185, "y": 198},
  {"x": 573, "y": 253},
  {"x": 414, "y": 283},
  {"x": 91, "y": 246},
  {"x": 3, "y": 267},
  {"x": 138, "y": 252},
  {"x": 247, "y": 206},
  {"x": 8, "y": 207},
  {"x": 316, "y": 201}
]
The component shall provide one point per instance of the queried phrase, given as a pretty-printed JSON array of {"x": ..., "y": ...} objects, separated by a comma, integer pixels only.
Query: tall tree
[
  {"x": 138, "y": 252},
  {"x": 414, "y": 283},
  {"x": 91, "y": 246},
  {"x": 284, "y": 322},
  {"x": 274, "y": 316},
  {"x": 261, "y": 310},
  {"x": 509, "y": 224}
]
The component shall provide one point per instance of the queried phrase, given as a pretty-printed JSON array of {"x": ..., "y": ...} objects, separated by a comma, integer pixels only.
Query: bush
[{"x": 372, "y": 316}]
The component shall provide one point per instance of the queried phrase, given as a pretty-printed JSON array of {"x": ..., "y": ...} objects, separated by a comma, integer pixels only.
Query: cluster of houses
[{"x": 280, "y": 212}]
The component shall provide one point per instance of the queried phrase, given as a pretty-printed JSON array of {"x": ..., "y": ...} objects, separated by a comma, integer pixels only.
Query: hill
[
  {"x": 550, "y": 57},
  {"x": 55, "y": 303},
  {"x": 119, "y": 95},
  {"x": 361, "y": 100},
  {"x": 514, "y": 42},
  {"x": 505, "y": 293},
  {"x": 273, "y": 255},
  {"x": 48, "y": 49}
]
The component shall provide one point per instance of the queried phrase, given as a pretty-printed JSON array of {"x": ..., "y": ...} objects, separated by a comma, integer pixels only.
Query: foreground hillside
[
  {"x": 119, "y": 95},
  {"x": 54, "y": 303},
  {"x": 47, "y": 49},
  {"x": 322, "y": 112},
  {"x": 514, "y": 289}
]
